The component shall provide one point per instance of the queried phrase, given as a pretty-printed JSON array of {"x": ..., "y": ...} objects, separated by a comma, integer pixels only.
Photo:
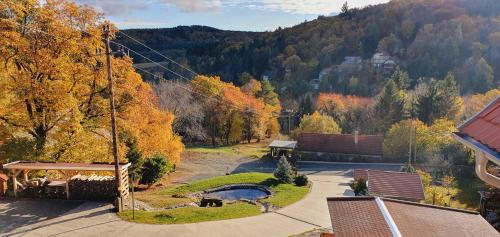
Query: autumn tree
[
  {"x": 55, "y": 87},
  {"x": 317, "y": 123},
  {"x": 474, "y": 103},
  {"x": 176, "y": 97},
  {"x": 350, "y": 112}
]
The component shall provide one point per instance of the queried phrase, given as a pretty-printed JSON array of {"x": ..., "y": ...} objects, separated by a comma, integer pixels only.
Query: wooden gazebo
[{"x": 68, "y": 170}]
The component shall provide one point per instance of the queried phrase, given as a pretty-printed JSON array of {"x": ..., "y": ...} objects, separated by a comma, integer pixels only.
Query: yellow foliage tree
[
  {"x": 54, "y": 87},
  {"x": 317, "y": 123}
]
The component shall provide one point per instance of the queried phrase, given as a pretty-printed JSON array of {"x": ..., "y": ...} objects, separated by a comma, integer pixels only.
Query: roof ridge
[
  {"x": 393, "y": 227},
  {"x": 330, "y": 134},
  {"x": 390, "y": 171},
  {"x": 429, "y": 205}
]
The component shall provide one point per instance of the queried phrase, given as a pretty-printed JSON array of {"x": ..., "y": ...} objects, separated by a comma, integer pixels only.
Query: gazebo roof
[
  {"x": 283, "y": 144},
  {"x": 19, "y": 165}
]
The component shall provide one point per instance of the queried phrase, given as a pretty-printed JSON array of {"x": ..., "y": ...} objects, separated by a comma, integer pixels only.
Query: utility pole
[
  {"x": 409, "y": 147},
  {"x": 113, "y": 118}
]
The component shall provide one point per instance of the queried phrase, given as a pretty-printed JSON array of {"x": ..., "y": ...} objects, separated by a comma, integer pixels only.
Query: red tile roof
[
  {"x": 357, "y": 216},
  {"x": 363, "y": 216},
  {"x": 425, "y": 220},
  {"x": 484, "y": 127},
  {"x": 403, "y": 185},
  {"x": 341, "y": 143}
]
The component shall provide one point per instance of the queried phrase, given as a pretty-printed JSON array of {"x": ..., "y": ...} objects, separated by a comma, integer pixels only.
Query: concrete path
[{"x": 91, "y": 219}]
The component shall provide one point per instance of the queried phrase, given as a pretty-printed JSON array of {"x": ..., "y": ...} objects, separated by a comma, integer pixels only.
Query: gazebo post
[
  {"x": 14, "y": 182},
  {"x": 25, "y": 175}
]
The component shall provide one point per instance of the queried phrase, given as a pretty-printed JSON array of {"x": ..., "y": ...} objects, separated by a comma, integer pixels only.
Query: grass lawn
[
  {"x": 193, "y": 214},
  {"x": 284, "y": 194},
  {"x": 254, "y": 150}
]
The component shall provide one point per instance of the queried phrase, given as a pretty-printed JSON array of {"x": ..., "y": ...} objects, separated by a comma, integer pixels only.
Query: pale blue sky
[{"x": 249, "y": 15}]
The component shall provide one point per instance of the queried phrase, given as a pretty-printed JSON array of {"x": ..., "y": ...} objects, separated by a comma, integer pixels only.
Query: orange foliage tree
[
  {"x": 232, "y": 113},
  {"x": 54, "y": 86},
  {"x": 348, "y": 110}
]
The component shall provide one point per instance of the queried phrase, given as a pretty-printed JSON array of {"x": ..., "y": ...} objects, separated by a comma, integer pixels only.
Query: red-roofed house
[
  {"x": 482, "y": 134},
  {"x": 384, "y": 217},
  {"x": 401, "y": 185},
  {"x": 340, "y": 147}
]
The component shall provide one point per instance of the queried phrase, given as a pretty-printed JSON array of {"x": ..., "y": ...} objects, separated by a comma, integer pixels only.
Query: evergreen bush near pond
[
  {"x": 153, "y": 169},
  {"x": 301, "y": 180},
  {"x": 284, "y": 172}
]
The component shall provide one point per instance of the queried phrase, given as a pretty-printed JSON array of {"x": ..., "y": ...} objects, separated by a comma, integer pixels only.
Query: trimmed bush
[
  {"x": 154, "y": 169},
  {"x": 359, "y": 187},
  {"x": 301, "y": 180},
  {"x": 284, "y": 172}
]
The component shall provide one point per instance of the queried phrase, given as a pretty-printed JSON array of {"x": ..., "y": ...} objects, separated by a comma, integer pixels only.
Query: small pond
[{"x": 238, "y": 192}]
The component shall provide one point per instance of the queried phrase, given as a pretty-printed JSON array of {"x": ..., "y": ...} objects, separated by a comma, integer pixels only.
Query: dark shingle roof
[
  {"x": 363, "y": 216},
  {"x": 341, "y": 143}
]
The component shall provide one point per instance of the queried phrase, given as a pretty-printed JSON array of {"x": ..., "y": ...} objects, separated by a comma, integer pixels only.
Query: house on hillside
[
  {"x": 351, "y": 64},
  {"x": 324, "y": 73},
  {"x": 266, "y": 76},
  {"x": 384, "y": 63},
  {"x": 340, "y": 147},
  {"x": 315, "y": 84},
  {"x": 399, "y": 185},
  {"x": 385, "y": 217}
]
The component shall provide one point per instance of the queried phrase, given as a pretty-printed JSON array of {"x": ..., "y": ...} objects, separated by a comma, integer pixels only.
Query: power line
[
  {"x": 171, "y": 60},
  {"x": 192, "y": 91},
  {"x": 143, "y": 70},
  {"x": 152, "y": 61}
]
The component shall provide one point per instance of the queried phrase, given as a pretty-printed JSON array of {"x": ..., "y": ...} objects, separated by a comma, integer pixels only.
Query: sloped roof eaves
[{"x": 484, "y": 127}]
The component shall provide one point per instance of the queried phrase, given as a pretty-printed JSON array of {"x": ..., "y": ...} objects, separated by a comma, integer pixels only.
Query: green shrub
[
  {"x": 153, "y": 169},
  {"x": 301, "y": 180},
  {"x": 408, "y": 168},
  {"x": 359, "y": 187},
  {"x": 284, "y": 172},
  {"x": 134, "y": 156}
]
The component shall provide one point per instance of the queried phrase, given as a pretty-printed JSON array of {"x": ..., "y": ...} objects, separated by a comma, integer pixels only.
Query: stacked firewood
[{"x": 98, "y": 188}]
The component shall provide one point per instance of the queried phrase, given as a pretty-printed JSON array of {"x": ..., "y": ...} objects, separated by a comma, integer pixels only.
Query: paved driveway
[{"x": 96, "y": 219}]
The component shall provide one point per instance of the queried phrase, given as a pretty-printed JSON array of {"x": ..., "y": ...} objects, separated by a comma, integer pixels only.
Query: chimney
[{"x": 356, "y": 137}]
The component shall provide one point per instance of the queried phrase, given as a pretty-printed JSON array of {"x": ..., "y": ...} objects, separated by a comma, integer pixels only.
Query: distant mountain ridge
[{"x": 429, "y": 38}]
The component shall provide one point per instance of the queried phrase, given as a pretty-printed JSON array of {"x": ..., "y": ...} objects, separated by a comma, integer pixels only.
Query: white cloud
[
  {"x": 323, "y": 7},
  {"x": 194, "y": 5},
  {"x": 123, "y": 7}
]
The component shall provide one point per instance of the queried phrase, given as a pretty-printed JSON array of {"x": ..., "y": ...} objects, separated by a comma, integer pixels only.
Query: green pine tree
[
  {"x": 390, "y": 105},
  {"x": 284, "y": 172}
]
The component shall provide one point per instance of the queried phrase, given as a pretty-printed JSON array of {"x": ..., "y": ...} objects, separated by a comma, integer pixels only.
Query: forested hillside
[{"x": 427, "y": 38}]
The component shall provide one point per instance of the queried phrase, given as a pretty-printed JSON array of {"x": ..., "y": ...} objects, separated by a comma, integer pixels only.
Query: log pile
[{"x": 97, "y": 188}]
